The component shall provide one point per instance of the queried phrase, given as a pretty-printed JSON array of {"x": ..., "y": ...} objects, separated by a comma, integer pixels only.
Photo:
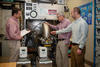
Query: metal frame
[{"x": 94, "y": 59}]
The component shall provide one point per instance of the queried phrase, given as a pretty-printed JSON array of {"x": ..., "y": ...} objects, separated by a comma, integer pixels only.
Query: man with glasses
[{"x": 63, "y": 41}]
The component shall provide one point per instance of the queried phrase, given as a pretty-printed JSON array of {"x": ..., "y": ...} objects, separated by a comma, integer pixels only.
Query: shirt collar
[
  {"x": 62, "y": 21},
  {"x": 15, "y": 19},
  {"x": 78, "y": 19}
]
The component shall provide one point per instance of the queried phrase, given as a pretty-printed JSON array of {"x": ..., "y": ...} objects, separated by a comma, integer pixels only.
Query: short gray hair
[{"x": 61, "y": 14}]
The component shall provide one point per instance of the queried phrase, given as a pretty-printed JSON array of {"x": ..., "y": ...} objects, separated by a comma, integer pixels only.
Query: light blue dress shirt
[{"x": 79, "y": 30}]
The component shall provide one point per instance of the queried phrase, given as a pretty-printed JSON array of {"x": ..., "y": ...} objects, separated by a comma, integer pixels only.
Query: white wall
[{"x": 4, "y": 15}]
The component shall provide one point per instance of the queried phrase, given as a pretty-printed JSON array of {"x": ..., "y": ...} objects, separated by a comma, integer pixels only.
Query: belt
[
  {"x": 74, "y": 43},
  {"x": 11, "y": 40},
  {"x": 60, "y": 39}
]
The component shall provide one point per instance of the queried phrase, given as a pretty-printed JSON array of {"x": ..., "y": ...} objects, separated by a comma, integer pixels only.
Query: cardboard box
[{"x": 12, "y": 64}]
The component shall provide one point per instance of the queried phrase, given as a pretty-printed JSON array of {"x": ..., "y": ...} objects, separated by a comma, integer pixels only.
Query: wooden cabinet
[{"x": 13, "y": 64}]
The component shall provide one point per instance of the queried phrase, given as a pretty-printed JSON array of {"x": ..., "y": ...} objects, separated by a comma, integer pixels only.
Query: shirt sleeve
[
  {"x": 68, "y": 33},
  {"x": 56, "y": 27},
  {"x": 84, "y": 33},
  {"x": 14, "y": 34},
  {"x": 65, "y": 30}
]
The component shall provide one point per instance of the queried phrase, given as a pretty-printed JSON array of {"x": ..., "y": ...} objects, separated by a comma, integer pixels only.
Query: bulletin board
[{"x": 86, "y": 12}]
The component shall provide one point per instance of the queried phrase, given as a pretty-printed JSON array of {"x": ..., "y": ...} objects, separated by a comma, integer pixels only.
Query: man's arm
[
  {"x": 65, "y": 30},
  {"x": 84, "y": 32},
  {"x": 14, "y": 34},
  {"x": 53, "y": 26}
]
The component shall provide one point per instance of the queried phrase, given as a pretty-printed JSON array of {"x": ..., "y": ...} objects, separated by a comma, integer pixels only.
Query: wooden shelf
[
  {"x": 98, "y": 3},
  {"x": 9, "y": 2}
]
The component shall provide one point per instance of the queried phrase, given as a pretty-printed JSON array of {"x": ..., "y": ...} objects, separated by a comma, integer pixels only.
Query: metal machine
[{"x": 36, "y": 14}]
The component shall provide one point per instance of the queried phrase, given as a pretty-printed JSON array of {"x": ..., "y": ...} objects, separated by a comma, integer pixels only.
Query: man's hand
[
  {"x": 47, "y": 23},
  {"x": 53, "y": 32},
  {"x": 29, "y": 30},
  {"x": 21, "y": 37},
  {"x": 79, "y": 51}
]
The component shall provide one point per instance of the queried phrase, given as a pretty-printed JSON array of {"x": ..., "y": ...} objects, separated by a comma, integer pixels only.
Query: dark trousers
[{"x": 76, "y": 59}]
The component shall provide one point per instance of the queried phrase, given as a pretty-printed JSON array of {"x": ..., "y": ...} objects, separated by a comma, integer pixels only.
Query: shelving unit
[
  {"x": 9, "y": 5},
  {"x": 9, "y": 2},
  {"x": 96, "y": 33}
]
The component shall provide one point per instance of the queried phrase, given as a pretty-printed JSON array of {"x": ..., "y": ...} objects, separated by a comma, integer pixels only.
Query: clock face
[{"x": 33, "y": 14}]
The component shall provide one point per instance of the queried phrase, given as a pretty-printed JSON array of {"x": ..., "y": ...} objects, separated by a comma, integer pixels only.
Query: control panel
[{"x": 42, "y": 11}]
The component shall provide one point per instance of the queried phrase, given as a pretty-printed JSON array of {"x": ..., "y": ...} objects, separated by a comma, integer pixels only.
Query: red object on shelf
[{"x": 69, "y": 55}]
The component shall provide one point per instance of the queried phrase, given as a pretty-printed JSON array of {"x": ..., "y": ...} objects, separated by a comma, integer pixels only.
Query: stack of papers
[
  {"x": 45, "y": 61},
  {"x": 24, "y": 32},
  {"x": 23, "y": 61}
]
